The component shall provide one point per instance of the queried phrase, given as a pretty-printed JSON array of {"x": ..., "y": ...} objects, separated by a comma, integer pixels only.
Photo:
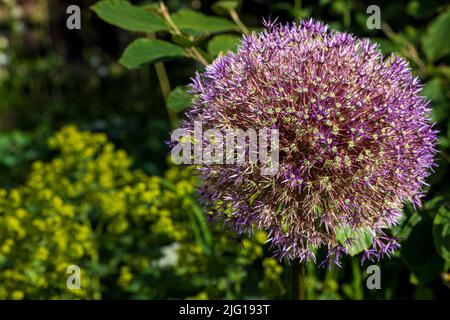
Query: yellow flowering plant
[{"x": 132, "y": 235}]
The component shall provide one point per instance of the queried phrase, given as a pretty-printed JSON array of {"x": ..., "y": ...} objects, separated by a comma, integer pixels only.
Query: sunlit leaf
[
  {"x": 435, "y": 41},
  {"x": 179, "y": 99},
  {"x": 198, "y": 22},
  {"x": 361, "y": 239},
  {"x": 143, "y": 51},
  {"x": 223, "y": 43},
  {"x": 434, "y": 91}
]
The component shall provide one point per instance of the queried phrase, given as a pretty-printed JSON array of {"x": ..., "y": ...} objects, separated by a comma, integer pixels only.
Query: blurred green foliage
[
  {"x": 132, "y": 235},
  {"x": 130, "y": 220}
]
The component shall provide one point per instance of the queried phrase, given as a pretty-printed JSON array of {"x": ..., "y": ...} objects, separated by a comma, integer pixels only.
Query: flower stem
[
  {"x": 166, "y": 15},
  {"x": 164, "y": 83},
  {"x": 194, "y": 53},
  {"x": 165, "y": 90}
]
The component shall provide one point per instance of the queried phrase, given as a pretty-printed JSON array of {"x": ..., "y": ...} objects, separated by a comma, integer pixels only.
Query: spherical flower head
[{"x": 355, "y": 140}]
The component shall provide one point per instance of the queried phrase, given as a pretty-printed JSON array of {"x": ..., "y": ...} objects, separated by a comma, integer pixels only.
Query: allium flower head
[{"x": 355, "y": 139}]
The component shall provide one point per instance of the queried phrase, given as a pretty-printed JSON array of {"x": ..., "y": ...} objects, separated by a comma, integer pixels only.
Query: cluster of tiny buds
[{"x": 355, "y": 138}]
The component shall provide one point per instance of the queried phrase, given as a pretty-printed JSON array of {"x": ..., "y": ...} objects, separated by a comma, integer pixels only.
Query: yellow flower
[
  {"x": 125, "y": 277},
  {"x": 42, "y": 253},
  {"x": 261, "y": 237},
  {"x": 17, "y": 295}
]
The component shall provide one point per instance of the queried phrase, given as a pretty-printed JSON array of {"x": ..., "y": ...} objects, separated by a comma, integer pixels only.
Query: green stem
[
  {"x": 165, "y": 90},
  {"x": 96, "y": 282},
  {"x": 195, "y": 54},
  {"x": 301, "y": 282},
  {"x": 357, "y": 280},
  {"x": 347, "y": 17},
  {"x": 166, "y": 16},
  {"x": 297, "y": 7},
  {"x": 164, "y": 84}
]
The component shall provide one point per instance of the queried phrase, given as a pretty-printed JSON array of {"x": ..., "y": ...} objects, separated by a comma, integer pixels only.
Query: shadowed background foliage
[{"x": 84, "y": 176}]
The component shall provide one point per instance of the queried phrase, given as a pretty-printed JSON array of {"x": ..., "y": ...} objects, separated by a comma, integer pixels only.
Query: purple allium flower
[{"x": 355, "y": 139}]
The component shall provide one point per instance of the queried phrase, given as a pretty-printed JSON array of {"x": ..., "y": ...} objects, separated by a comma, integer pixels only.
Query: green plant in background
[
  {"x": 187, "y": 29},
  {"x": 171, "y": 251}
]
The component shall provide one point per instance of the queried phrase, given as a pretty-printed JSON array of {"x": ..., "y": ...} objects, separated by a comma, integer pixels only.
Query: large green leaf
[
  {"x": 179, "y": 99},
  {"x": 435, "y": 41},
  {"x": 200, "y": 23},
  {"x": 143, "y": 50},
  {"x": 126, "y": 16},
  {"x": 361, "y": 239},
  {"x": 433, "y": 90},
  {"x": 223, "y": 43},
  {"x": 441, "y": 233}
]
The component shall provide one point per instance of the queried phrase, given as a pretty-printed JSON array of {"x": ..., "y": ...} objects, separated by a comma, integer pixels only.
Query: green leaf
[
  {"x": 202, "y": 221},
  {"x": 200, "y": 23},
  {"x": 198, "y": 220},
  {"x": 179, "y": 99},
  {"x": 441, "y": 233},
  {"x": 435, "y": 42},
  {"x": 435, "y": 203},
  {"x": 387, "y": 46},
  {"x": 188, "y": 40},
  {"x": 223, "y": 43},
  {"x": 362, "y": 239},
  {"x": 142, "y": 51},
  {"x": 419, "y": 252},
  {"x": 433, "y": 90},
  {"x": 222, "y": 7},
  {"x": 126, "y": 16}
]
